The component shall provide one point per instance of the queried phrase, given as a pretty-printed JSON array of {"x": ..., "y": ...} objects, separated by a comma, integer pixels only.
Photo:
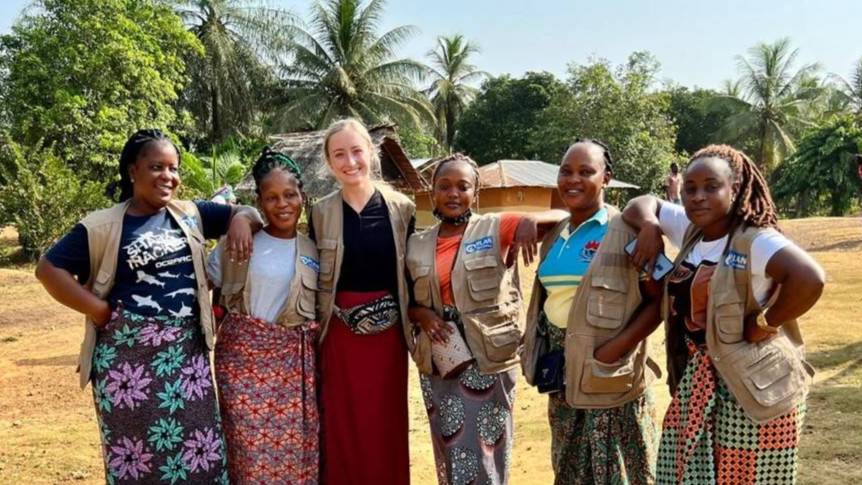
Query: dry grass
[{"x": 48, "y": 432}]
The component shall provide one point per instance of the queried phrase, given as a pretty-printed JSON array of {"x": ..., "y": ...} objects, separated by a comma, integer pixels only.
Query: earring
[{"x": 131, "y": 180}]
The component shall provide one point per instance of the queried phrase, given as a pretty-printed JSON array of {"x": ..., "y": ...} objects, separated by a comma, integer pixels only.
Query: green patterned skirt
[{"x": 615, "y": 446}]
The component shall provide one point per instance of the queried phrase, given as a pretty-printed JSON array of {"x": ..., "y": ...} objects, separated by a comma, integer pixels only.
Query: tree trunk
[{"x": 215, "y": 135}]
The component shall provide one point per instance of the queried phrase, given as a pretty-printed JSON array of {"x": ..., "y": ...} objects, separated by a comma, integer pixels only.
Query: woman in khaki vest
[
  {"x": 265, "y": 350},
  {"x": 609, "y": 433},
  {"x": 468, "y": 307},
  {"x": 361, "y": 233},
  {"x": 735, "y": 364},
  {"x": 142, "y": 286}
]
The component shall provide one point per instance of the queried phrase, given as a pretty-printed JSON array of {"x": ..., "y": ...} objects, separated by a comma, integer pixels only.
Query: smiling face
[
  {"x": 349, "y": 156},
  {"x": 708, "y": 191},
  {"x": 280, "y": 200},
  {"x": 155, "y": 175},
  {"x": 582, "y": 177},
  {"x": 454, "y": 188}
]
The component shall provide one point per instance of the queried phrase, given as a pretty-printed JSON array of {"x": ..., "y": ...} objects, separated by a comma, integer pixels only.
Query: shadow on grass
[
  {"x": 62, "y": 360},
  {"x": 849, "y": 355}
]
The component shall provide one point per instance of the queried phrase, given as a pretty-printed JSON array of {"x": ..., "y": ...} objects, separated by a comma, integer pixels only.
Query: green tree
[
  {"x": 81, "y": 75},
  {"x": 233, "y": 81},
  {"x": 772, "y": 106},
  {"x": 821, "y": 176},
  {"x": 620, "y": 107},
  {"x": 450, "y": 90},
  {"x": 851, "y": 88},
  {"x": 696, "y": 119},
  {"x": 341, "y": 67},
  {"x": 501, "y": 123}
]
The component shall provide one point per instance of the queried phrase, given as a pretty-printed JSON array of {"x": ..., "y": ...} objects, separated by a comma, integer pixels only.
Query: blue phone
[{"x": 662, "y": 267}]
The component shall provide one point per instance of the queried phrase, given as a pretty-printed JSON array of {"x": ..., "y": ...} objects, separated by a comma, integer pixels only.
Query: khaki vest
[
  {"x": 486, "y": 293},
  {"x": 299, "y": 305},
  {"x": 104, "y": 231},
  {"x": 327, "y": 219},
  {"x": 768, "y": 379},
  {"x": 606, "y": 299}
]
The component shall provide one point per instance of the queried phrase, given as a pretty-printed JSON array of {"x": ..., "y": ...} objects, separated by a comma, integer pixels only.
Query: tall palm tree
[
  {"x": 450, "y": 91},
  {"x": 772, "y": 104},
  {"x": 241, "y": 39},
  {"x": 341, "y": 67},
  {"x": 852, "y": 88}
]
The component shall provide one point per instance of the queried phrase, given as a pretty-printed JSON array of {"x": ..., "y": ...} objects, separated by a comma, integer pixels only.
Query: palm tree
[
  {"x": 852, "y": 89},
  {"x": 341, "y": 67},
  {"x": 773, "y": 101},
  {"x": 229, "y": 83},
  {"x": 450, "y": 92}
]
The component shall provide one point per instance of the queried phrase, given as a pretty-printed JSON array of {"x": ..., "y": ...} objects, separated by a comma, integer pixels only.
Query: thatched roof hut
[{"x": 305, "y": 148}]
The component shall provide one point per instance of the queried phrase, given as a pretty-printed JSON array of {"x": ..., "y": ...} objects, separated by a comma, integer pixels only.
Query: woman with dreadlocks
[
  {"x": 467, "y": 309},
  {"x": 265, "y": 350},
  {"x": 736, "y": 371},
  {"x": 142, "y": 286}
]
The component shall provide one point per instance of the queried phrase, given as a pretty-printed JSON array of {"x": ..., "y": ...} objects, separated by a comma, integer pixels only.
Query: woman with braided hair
[
  {"x": 149, "y": 326},
  {"x": 737, "y": 375},
  {"x": 265, "y": 351}
]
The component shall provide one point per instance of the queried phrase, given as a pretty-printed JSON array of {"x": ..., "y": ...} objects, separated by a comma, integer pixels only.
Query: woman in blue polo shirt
[{"x": 598, "y": 446}]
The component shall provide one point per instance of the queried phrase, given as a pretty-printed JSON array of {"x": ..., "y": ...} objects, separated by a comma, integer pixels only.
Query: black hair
[
  {"x": 858, "y": 158},
  {"x": 131, "y": 150},
  {"x": 674, "y": 167},
  {"x": 270, "y": 160},
  {"x": 606, "y": 152},
  {"x": 457, "y": 157}
]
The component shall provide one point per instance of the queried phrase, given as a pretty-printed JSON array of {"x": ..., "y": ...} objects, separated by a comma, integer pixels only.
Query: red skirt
[{"x": 363, "y": 403}]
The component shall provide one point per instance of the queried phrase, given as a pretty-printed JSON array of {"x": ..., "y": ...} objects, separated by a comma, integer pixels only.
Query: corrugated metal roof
[{"x": 528, "y": 173}]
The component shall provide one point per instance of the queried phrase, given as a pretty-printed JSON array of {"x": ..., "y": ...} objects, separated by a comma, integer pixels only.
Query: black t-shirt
[
  {"x": 155, "y": 274},
  {"x": 369, "y": 262}
]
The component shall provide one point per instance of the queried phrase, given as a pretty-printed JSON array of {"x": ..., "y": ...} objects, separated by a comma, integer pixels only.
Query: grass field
[{"x": 48, "y": 432}]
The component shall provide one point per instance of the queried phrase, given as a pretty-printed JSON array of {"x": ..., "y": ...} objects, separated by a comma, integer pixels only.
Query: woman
[
  {"x": 265, "y": 351},
  {"x": 361, "y": 232},
  {"x": 736, "y": 369},
  {"x": 460, "y": 275},
  {"x": 603, "y": 428},
  {"x": 142, "y": 287}
]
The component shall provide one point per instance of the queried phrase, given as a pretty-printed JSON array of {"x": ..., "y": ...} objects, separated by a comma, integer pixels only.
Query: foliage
[
  {"x": 42, "y": 196},
  {"x": 82, "y": 75},
  {"x": 851, "y": 89},
  {"x": 619, "y": 107},
  {"x": 341, "y": 67},
  {"x": 232, "y": 83},
  {"x": 502, "y": 121},
  {"x": 696, "y": 119},
  {"x": 419, "y": 143},
  {"x": 774, "y": 101},
  {"x": 450, "y": 91},
  {"x": 821, "y": 176},
  {"x": 203, "y": 175}
]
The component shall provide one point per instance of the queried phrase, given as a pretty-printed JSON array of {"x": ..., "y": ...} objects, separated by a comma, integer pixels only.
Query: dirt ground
[{"x": 48, "y": 432}]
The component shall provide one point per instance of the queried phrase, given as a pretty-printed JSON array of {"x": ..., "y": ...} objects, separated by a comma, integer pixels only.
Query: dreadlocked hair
[
  {"x": 606, "y": 152},
  {"x": 270, "y": 160},
  {"x": 753, "y": 206},
  {"x": 457, "y": 157},
  {"x": 131, "y": 150}
]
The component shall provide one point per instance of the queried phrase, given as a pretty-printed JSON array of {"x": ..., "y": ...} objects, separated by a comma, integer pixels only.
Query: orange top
[{"x": 447, "y": 250}]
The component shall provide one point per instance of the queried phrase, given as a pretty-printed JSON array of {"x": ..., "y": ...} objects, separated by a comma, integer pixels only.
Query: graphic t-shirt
[{"x": 155, "y": 274}]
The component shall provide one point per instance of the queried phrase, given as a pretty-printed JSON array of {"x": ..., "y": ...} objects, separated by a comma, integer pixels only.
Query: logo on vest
[
  {"x": 483, "y": 244},
  {"x": 190, "y": 222},
  {"x": 736, "y": 260},
  {"x": 310, "y": 263}
]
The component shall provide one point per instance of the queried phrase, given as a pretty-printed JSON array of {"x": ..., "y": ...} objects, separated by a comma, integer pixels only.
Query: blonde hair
[{"x": 374, "y": 171}]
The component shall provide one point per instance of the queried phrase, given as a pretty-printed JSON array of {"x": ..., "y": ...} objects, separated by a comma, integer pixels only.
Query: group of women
[{"x": 311, "y": 333}]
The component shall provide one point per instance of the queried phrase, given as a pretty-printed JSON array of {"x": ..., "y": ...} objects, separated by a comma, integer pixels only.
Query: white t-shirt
[
  {"x": 271, "y": 269},
  {"x": 674, "y": 223}
]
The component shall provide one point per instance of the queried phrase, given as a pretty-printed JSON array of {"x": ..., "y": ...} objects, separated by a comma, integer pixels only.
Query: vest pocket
[
  {"x": 500, "y": 333},
  {"x": 729, "y": 317},
  {"x": 606, "y": 303},
  {"x": 421, "y": 283},
  {"x": 482, "y": 289},
  {"x": 327, "y": 249},
  {"x": 483, "y": 278},
  {"x": 305, "y": 300},
  {"x": 602, "y": 378},
  {"x": 769, "y": 379}
]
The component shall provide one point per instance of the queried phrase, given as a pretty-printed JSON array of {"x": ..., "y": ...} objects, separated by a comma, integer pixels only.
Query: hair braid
[
  {"x": 131, "y": 150},
  {"x": 753, "y": 205},
  {"x": 270, "y": 160},
  {"x": 457, "y": 157}
]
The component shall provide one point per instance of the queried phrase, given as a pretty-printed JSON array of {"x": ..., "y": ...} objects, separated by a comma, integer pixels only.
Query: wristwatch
[{"x": 762, "y": 324}]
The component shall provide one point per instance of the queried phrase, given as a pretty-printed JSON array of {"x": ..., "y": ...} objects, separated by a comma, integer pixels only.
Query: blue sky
[{"x": 696, "y": 42}]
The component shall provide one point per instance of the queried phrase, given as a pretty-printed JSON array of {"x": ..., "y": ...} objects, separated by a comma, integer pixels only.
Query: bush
[{"x": 42, "y": 196}]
